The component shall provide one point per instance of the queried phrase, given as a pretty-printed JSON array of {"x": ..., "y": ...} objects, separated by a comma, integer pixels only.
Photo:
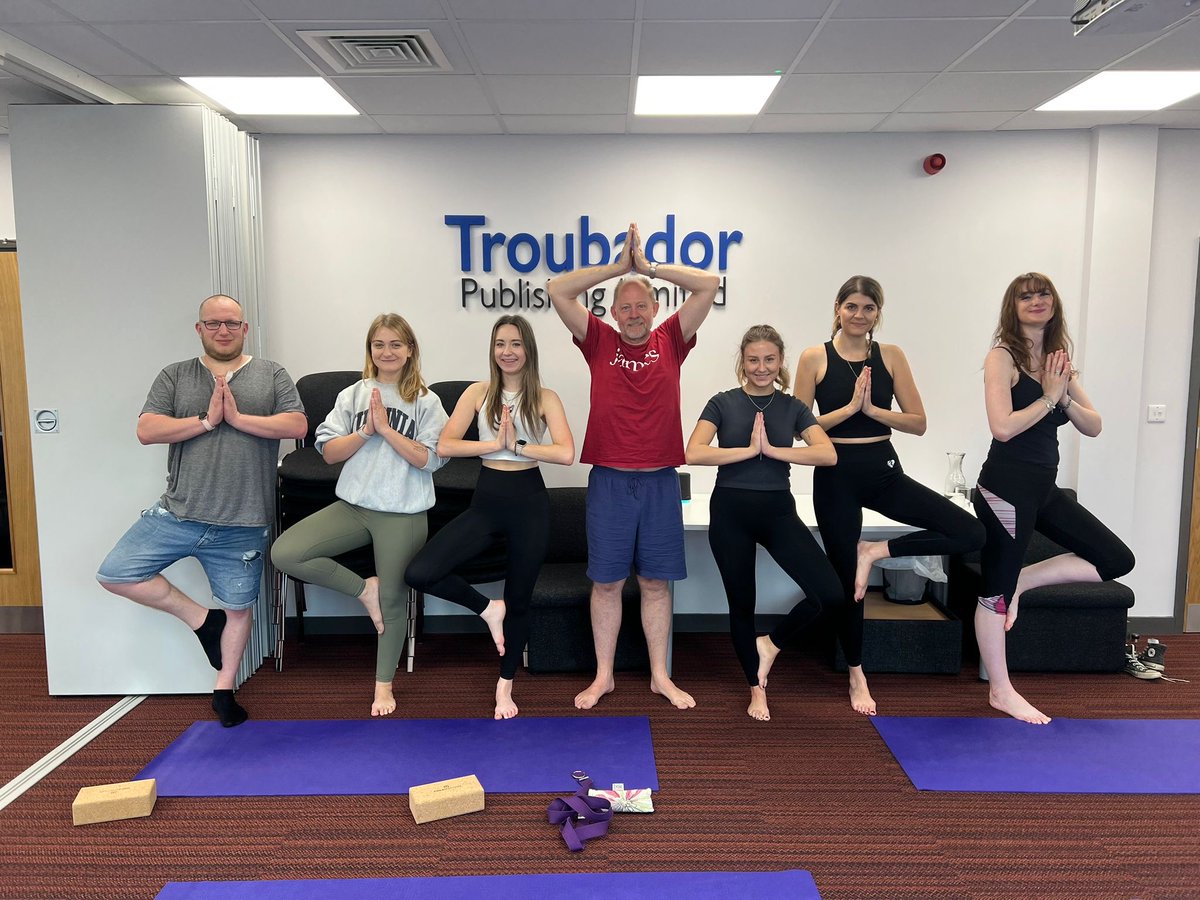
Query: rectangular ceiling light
[
  {"x": 703, "y": 95},
  {"x": 1122, "y": 91},
  {"x": 273, "y": 96}
]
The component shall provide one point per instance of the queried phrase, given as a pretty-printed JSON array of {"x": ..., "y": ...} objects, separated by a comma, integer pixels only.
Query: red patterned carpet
[{"x": 815, "y": 788}]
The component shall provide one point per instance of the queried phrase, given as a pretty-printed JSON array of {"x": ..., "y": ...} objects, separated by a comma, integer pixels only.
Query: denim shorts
[
  {"x": 231, "y": 555},
  {"x": 634, "y": 518}
]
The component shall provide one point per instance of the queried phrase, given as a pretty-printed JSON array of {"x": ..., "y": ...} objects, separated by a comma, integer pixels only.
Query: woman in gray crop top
[
  {"x": 756, "y": 425},
  {"x": 852, "y": 379},
  {"x": 513, "y": 412}
]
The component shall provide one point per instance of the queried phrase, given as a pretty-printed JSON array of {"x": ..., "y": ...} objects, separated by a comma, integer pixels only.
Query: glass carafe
[{"x": 956, "y": 482}]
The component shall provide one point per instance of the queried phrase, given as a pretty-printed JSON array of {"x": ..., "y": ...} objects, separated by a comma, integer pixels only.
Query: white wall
[
  {"x": 354, "y": 226},
  {"x": 8, "y": 227}
]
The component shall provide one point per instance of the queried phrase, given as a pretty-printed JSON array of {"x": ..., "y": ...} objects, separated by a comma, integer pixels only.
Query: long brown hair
[
  {"x": 410, "y": 383},
  {"x": 869, "y": 288},
  {"x": 531, "y": 381},
  {"x": 757, "y": 333},
  {"x": 1008, "y": 330}
]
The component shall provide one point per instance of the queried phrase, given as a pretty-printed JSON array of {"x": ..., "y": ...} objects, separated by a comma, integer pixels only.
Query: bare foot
[
  {"x": 860, "y": 695},
  {"x": 758, "y": 704},
  {"x": 1010, "y": 702},
  {"x": 494, "y": 617},
  {"x": 505, "y": 708},
  {"x": 385, "y": 701},
  {"x": 666, "y": 687},
  {"x": 767, "y": 651},
  {"x": 591, "y": 695},
  {"x": 868, "y": 553},
  {"x": 1010, "y": 615},
  {"x": 370, "y": 599}
]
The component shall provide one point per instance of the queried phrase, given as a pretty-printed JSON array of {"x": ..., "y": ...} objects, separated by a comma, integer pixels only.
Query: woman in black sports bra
[
  {"x": 1031, "y": 391},
  {"x": 853, "y": 379}
]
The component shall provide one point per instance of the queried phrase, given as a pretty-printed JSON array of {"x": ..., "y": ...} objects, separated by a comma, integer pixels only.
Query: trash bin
[{"x": 905, "y": 578}]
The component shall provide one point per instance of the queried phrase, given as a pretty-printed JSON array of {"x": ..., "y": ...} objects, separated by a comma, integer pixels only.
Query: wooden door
[{"x": 20, "y": 575}]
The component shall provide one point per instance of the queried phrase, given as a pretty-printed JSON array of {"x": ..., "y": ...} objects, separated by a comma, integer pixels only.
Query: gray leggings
[{"x": 304, "y": 551}]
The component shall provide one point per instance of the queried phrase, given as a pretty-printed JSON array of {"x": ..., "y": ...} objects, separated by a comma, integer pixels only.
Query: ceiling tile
[
  {"x": 1040, "y": 121},
  {"x": 565, "y": 124},
  {"x": 1038, "y": 45},
  {"x": 1178, "y": 49},
  {"x": 307, "y": 124},
  {"x": 873, "y": 45},
  {"x": 18, "y": 90},
  {"x": 925, "y": 9},
  {"x": 236, "y": 48},
  {"x": 565, "y": 94},
  {"x": 541, "y": 10},
  {"x": 158, "y": 89},
  {"x": 350, "y": 10},
  {"x": 82, "y": 47},
  {"x": 439, "y": 124},
  {"x": 982, "y": 91},
  {"x": 720, "y": 48},
  {"x": 817, "y": 122},
  {"x": 691, "y": 124},
  {"x": 157, "y": 10},
  {"x": 962, "y": 121},
  {"x": 29, "y": 11},
  {"x": 558, "y": 48},
  {"x": 415, "y": 94},
  {"x": 845, "y": 93},
  {"x": 696, "y": 10}
]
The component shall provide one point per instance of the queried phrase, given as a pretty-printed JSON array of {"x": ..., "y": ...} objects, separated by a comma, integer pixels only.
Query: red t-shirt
[{"x": 634, "y": 421}]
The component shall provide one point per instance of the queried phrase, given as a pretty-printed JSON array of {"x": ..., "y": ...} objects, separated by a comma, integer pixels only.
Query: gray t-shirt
[
  {"x": 733, "y": 413},
  {"x": 224, "y": 476}
]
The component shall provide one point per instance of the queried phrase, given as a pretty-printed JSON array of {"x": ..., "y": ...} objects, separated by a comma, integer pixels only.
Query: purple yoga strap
[{"x": 595, "y": 812}]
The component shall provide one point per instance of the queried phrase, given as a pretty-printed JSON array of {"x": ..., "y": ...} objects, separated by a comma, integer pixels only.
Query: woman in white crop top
[{"x": 514, "y": 413}]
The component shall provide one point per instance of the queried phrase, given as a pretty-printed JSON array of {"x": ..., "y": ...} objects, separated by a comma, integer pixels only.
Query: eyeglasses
[{"x": 215, "y": 324}]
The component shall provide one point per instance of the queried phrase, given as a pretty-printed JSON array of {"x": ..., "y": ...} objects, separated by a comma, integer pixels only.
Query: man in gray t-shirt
[{"x": 222, "y": 415}]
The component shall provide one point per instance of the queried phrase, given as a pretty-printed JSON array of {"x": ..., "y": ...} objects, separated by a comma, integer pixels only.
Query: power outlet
[{"x": 1156, "y": 412}]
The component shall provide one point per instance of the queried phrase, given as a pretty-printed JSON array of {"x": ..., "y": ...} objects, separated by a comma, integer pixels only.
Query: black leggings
[
  {"x": 739, "y": 521},
  {"x": 1013, "y": 500},
  {"x": 512, "y": 504},
  {"x": 870, "y": 476}
]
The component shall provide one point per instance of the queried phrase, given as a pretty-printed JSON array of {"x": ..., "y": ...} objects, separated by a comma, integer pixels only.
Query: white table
[{"x": 875, "y": 526}]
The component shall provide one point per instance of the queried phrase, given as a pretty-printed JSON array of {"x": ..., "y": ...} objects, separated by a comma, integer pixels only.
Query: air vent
[{"x": 369, "y": 52}]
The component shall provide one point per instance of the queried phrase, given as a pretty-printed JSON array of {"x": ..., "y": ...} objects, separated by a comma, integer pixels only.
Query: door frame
[{"x": 1188, "y": 618}]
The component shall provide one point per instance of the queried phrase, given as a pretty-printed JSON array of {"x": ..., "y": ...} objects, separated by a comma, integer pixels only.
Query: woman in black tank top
[
  {"x": 853, "y": 380},
  {"x": 1031, "y": 390}
]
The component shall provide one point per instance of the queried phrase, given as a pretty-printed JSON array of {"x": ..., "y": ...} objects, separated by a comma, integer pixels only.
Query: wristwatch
[
  {"x": 519, "y": 449},
  {"x": 208, "y": 426},
  {"x": 653, "y": 269}
]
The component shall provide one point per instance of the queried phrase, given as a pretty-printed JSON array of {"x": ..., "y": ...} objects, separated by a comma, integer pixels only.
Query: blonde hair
[
  {"x": 410, "y": 384},
  {"x": 754, "y": 334},
  {"x": 531, "y": 380}
]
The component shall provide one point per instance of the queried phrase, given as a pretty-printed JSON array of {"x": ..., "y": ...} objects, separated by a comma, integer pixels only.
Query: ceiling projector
[{"x": 1129, "y": 16}]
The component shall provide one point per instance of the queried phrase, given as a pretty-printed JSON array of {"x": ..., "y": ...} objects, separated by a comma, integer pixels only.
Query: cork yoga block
[
  {"x": 108, "y": 802},
  {"x": 443, "y": 799}
]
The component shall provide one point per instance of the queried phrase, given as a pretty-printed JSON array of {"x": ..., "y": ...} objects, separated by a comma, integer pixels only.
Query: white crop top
[{"x": 511, "y": 399}]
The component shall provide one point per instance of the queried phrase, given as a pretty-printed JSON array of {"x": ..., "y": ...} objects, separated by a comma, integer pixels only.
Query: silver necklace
[
  {"x": 862, "y": 362},
  {"x": 755, "y": 405}
]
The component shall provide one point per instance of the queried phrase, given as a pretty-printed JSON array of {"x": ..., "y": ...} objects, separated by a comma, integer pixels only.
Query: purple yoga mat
[
  {"x": 1068, "y": 756},
  {"x": 793, "y": 885},
  {"x": 388, "y": 756}
]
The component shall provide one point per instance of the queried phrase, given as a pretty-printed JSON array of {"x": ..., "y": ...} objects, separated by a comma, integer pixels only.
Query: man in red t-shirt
[{"x": 634, "y": 441}]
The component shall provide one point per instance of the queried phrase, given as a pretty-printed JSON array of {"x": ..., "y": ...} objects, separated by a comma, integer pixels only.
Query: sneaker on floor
[
  {"x": 1134, "y": 667},
  {"x": 1153, "y": 657}
]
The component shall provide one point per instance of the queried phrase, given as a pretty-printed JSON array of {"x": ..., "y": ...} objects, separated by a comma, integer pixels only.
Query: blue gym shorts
[{"x": 634, "y": 518}]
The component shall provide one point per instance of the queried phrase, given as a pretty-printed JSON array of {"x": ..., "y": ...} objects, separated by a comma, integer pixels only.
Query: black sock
[
  {"x": 210, "y": 636},
  {"x": 228, "y": 710}
]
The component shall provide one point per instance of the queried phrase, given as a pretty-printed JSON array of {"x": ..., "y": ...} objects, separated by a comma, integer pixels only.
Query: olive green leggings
[{"x": 306, "y": 549}]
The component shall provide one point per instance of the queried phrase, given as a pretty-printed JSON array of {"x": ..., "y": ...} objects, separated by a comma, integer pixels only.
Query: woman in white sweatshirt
[{"x": 385, "y": 428}]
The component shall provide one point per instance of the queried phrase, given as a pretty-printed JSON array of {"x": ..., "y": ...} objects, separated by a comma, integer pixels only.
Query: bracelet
[
  {"x": 1050, "y": 404},
  {"x": 362, "y": 433},
  {"x": 653, "y": 269},
  {"x": 1067, "y": 405}
]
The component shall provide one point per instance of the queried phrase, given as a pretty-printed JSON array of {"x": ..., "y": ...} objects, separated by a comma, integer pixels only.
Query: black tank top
[
  {"x": 1037, "y": 444},
  {"x": 837, "y": 387}
]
